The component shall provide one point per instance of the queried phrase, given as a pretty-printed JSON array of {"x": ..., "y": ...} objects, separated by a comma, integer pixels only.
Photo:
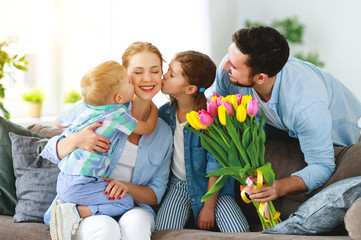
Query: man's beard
[{"x": 237, "y": 84}]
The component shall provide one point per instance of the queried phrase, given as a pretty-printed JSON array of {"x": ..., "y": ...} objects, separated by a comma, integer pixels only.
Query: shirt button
[
  {"x": 137, "y": 166},
  {"x": 140, "y": 147}
]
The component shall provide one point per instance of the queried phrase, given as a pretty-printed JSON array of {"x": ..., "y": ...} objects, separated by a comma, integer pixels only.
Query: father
[{"x": 299, "y": 98}]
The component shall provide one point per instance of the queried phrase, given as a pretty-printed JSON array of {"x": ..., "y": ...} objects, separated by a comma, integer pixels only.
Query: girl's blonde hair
[
  {"x": 137, "y": 47},
  {"x": 199, "y": 70},
  {"x": 99, "y": 84}
]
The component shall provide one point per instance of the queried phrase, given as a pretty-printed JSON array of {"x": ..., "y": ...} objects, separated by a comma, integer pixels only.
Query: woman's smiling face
[{"x": 145, "y": 71}]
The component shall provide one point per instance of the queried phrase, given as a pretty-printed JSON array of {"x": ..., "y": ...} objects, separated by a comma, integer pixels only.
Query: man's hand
[
  {"x": 266, "y": 193},
  {"x": 280, "y": 188}
]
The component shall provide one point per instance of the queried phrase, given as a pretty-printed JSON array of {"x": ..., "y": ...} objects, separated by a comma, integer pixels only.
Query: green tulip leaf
[
  {"x": 215, "y": 188},
  {"x": 268, "y": 173},
  {"x": 233, "y": 155},
  {"x": 212, "y": 147}
]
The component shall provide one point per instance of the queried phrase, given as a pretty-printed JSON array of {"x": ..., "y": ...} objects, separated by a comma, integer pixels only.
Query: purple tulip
[
  {"x": 228, "y": 107},
  {"x": 212, "y": 108},
  {"x": 252, "y": 107},
  {"x": 205, "y": 117},
  {"x": 239, "y": 98}
]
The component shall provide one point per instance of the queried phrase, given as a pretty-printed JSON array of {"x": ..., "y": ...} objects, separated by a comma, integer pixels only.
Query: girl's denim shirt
[{"x": 198, "y": 162}]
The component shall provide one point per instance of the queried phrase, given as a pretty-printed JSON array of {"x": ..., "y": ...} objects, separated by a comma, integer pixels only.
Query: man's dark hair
[{"x": 267, "y": 49}]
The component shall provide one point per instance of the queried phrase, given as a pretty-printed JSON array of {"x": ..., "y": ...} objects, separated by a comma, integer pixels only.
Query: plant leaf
[
  {"x": 217, "y": 186},
  {"x": 233, "y": 155},
  {"x": 268, "y": 173},
  {"x": 6, "y": 113}
]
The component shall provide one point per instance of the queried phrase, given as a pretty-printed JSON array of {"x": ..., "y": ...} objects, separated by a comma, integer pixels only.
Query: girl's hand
[
  {"x": 90, "y": 141},
  {"x": 206, "y": 218},
  {"x": 115, "y": 189}
]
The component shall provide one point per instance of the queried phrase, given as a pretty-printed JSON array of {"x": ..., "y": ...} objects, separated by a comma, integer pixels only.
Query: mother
[{"x": 144, "y": 161}]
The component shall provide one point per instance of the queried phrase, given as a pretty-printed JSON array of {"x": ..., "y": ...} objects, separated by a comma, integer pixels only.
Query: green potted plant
[
  {"x": 72, "y": 96},
  {"x": 293, "y": 31},
  {"x": 34, "y": 97},
  {"x": 12, "y": 63}
]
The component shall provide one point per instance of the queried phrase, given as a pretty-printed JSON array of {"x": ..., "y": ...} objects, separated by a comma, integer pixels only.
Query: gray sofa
[{"x": 285, "y": 157}]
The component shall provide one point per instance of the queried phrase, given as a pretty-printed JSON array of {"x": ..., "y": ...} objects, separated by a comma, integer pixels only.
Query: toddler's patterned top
[{"x": 116, "y": 120}]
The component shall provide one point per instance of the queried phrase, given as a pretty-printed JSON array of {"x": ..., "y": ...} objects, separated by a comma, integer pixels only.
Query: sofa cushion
[
  {"x": 353, "y": 220},
  {"x": 7, "y": 179},
  {"x": 324, "y": 212},
  {"x": 47, "y": 131},
  {"x": 35, "y": 178},
  {"x": 348, "y": 162},
  {"x": 18, "y": 231}
]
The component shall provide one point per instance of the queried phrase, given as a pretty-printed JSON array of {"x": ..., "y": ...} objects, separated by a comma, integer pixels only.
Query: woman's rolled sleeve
[{"x": 50, "y": 150}]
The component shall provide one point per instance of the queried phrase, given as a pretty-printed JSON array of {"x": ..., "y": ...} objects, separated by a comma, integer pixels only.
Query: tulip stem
[{"x": 220, "y": 133}]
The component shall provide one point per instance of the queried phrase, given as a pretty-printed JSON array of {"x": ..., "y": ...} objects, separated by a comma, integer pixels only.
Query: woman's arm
[
  {"x": 85, "y": 139},
  {"x": 140, "y": 194}
]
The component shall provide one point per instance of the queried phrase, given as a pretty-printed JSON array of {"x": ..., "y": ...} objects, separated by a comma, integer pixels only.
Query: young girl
[{"x": 189, "y": 74}]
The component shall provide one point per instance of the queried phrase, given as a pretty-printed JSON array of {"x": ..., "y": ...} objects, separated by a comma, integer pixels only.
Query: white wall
[
  {"x": 332, "y": 28},
  {"x": 67, "y": 37}
]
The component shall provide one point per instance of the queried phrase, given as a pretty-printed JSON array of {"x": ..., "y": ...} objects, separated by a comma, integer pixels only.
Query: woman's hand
[
  {"x": 115, "y": 189},
  {"x": 90, "y": 141},
  {"x": 85, "y": 139}
]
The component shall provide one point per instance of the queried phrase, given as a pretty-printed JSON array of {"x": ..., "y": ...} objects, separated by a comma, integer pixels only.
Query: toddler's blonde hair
[{"x": 99, "y": 84}]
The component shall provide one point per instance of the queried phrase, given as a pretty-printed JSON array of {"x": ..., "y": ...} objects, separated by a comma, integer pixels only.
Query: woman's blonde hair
[
  {"x": 137, "y": 47},
  {"x": 199, "y": 70},
  {"x": 98, "y": 85}
]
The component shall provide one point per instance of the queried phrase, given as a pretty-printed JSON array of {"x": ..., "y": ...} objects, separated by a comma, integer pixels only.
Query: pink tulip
[
  {"x": 205, "y": 117},
  {"x": 219, "y": 101},
  {"x": 228, "y": 107},
  {"x": 252, "y": 107},
  {"x": 215, "y": 96},
  {"x": 239, "y": 98},
  {"x": 212, "y": 108}
]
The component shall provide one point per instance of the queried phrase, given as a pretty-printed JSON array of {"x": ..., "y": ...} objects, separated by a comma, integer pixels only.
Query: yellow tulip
[
  {"x": 222, "y": 111},
  {"x": 233, "y": 101},
  {"x": 241, "y": 113},
  {"x": 245, "y": 100},
  {"x": 194, "y": 121},
  {"x": 214, "y": 98}
]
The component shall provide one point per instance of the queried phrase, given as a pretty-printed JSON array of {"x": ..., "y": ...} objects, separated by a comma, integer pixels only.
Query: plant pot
[{"x": 33, "y": 110}]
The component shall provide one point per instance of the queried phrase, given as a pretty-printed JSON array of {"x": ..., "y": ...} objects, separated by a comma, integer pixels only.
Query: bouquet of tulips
[{"x": 230, "y": 130}]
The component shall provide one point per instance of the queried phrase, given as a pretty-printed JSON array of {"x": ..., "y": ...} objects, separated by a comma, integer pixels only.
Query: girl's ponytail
[{"x": 199, "y": 70}]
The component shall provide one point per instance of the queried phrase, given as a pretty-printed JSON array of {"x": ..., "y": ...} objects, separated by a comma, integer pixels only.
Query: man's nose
[{"x": 226, "y": 65}]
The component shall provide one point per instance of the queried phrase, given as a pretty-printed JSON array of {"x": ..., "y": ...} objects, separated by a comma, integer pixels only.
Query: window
[{"x": 63, "y": 39}]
